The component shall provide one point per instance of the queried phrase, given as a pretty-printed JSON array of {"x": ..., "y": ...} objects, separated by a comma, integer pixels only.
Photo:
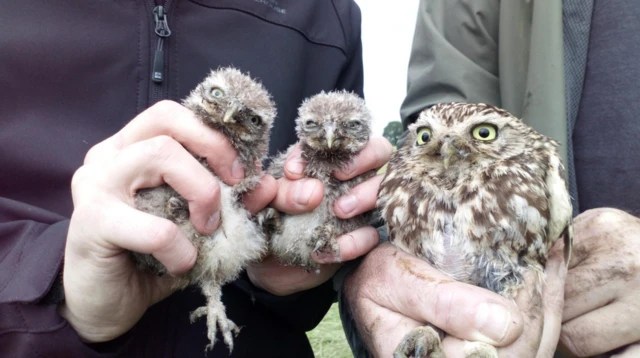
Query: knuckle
[
  {"x": 573, "y": 342},
  {"x": 161, "y": 235},
  {"x": 80, "y": 177},
  {"x": 159, "y": 147},
  {"x": 93, "y": 153},
  {"x": 604, "y": 216},
  {"x": 212, "y": 192},
  {"x": 443, "y": 303},
  {"x": 166, "y": 108}
]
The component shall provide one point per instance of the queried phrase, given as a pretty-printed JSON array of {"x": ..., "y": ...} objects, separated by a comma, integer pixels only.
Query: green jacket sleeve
[{"x": 454, "y": 57}]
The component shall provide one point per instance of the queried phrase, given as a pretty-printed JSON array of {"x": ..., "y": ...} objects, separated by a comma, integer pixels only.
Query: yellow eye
[
  {"x": 485, "y": 132},
  {"x": 424, "y": 135}
]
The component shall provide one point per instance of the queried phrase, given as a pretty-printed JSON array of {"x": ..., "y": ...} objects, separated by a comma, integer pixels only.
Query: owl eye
[
  {"x": 310, "y": 123},
  {"x": 353, "y": 124},
  {"x": 485, "y": 132},
  {"x": 255, "y": 120},
  {"x": 217, "y": 92},
  {"x": 424, "y": 135}
]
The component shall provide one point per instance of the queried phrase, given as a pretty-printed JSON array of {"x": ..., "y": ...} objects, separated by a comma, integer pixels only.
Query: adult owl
[
  {"x": 332, "y": 129},
  {"x": 479, "y": 195},
  {"x": 240, "y": 108}
]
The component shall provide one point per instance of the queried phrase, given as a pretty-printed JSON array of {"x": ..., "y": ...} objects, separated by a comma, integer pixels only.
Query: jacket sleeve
[
  {"x": 32, "y": 242},
  {"x": 454, "y": 57}
]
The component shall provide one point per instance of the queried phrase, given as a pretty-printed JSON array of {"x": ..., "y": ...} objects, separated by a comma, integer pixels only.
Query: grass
[{"x": 327, "y": 339}]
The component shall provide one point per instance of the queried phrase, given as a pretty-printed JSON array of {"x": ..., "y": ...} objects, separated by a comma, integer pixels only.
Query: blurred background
[{"x": 387, "y": 34}]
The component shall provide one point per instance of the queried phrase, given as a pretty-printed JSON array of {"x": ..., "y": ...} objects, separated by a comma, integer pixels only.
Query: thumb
[{"x": 419, "y": 291}]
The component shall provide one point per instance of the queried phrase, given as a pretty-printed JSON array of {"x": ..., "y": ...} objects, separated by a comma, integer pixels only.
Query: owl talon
[
  {"x": 177, "y": 209},
  {"x": 479, "y": 350},
  {"x": 269, "y": 220},
  {"x": 421, "y": 342},
  {"x": 326, "y": 243}
]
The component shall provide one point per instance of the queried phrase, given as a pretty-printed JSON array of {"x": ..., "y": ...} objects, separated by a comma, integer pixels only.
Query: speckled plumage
[
  {"x": 249, "y": 112},
  {"x": 332, "y": 128},
  {"x": 482, "y": 211}
]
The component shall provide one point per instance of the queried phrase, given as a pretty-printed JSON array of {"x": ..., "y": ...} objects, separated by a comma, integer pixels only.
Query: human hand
[
  {"x": 105, "y": 295},
  {"x": 602, "y": 293},
  {"x": 297, "y": 194},
  {"x": 392, "y": 292}
]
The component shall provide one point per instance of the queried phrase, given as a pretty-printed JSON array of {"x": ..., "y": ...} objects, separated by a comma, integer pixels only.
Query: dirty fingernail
[
  {"x": 213, "y": 221},
  {"x": 303, "y": 191},
  {"x": 237, "y": 171},
  {"x": 492, "y": 321},
  {"x": 347, "y": 203}
]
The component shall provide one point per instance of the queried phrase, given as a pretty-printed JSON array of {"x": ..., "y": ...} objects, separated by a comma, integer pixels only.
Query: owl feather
[
  {"x": 479, "y": 195},
  {"x": 332, "y": 129},
  {"x": 240, "y": 108}
]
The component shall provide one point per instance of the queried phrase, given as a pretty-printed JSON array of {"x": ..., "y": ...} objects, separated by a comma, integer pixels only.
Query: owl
[
  {"x": 332, "y": 129},
  {"x": 240, "y": 108},
  {"x": 479, "y": 195}
]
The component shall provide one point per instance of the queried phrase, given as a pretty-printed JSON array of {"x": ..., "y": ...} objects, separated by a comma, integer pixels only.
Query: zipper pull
[{"x": 162, "y": 30}]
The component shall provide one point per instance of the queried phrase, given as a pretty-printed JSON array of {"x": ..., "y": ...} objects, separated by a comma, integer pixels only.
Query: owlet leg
[
  {"x": 421, "y": 342},
  {"x": 216, "y": 316}
]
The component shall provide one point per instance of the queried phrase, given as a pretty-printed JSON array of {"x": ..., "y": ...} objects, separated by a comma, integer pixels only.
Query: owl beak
[
  {"x": 330, "y": 136},
  {"x": 447, "y": 151},
  {"x": 230, "y": 113}
]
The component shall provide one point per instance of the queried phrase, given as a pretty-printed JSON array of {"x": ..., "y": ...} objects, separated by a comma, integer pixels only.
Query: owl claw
[
  {"x": 421, "y": 342},
  {"x": 177, "y": 209}
]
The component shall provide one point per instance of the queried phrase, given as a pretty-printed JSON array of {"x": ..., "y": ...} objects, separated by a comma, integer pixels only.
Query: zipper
[{"x": 162, "y": 31}]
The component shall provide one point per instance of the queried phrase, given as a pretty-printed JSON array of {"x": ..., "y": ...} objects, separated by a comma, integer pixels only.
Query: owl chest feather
[{"x": 498, "y": 215}]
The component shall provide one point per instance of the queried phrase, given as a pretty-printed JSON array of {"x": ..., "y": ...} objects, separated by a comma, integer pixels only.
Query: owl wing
[{"x": 560, "y": 210}]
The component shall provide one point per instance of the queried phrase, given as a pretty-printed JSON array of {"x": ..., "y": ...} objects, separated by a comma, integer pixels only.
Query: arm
[
  {"x": 454, "y": 56},
  {"x": 31, "y": 251}
]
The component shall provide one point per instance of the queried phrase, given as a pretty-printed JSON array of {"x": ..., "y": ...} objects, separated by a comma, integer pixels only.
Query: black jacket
[{"x": 73, "y": 73}]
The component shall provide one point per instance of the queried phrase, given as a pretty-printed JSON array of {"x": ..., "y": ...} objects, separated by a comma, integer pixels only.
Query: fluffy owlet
[
  {"x": 240, "y": 108},
  {"x": 332, "y": 128},
  {"x": 480, "y": 196}
]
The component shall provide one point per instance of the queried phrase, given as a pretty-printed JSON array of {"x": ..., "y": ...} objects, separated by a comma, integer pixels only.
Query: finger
[
  {"x": 171, "y": 119},
  {"x": 585, "y": 335},
  {"x": 360, "y": 199},
  {"x": 553, "y": 302},
  {"x": 294, "y": 165},
  {"x": 124, "y": 227},
  {"x": 529, "y": 301},
  {"x": 412, "y": 287},
  {"x": 374, "y": 155},
  {"x": 632, "y": 351},
  {"x": 588, "y": 288},
  {"x": 352, "y": 245},
  {"x": 262, "y": 195},
  {"x": 299, "y": 196},
  {"x": 280, "y": 280},
  {"x": 159, "y": 160}
]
